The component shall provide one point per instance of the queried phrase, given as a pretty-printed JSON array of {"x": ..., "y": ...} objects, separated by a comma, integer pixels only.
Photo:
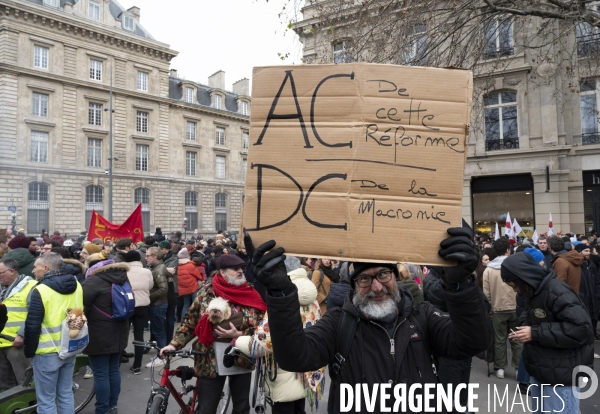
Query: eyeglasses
[
  {"x": 5, "y": 271},
  {"x": 365, "y": 280}
]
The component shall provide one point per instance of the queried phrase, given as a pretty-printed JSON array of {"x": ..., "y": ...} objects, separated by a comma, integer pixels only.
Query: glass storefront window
[{"x": 491, "y": 208}]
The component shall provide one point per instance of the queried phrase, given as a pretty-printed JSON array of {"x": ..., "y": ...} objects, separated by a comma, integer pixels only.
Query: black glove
[
  {"x": 269, "y": 269},
  {"x": 228, "y": 360},
  {"x": 458, "y": 247}
]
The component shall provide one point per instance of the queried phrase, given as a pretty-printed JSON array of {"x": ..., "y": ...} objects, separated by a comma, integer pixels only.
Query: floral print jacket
[{"x": 206, "y": 365}]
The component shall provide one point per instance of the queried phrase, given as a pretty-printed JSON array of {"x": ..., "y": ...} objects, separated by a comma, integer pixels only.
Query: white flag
[
  {"x": 550, "y": 226},
  {"x": 535, "y": 237},
  {"x": 497, "y": 235},
  {"x": 508, "y": 227},
  {"x": 516, "y": 228},
  {"x": 574, "y": 238}
]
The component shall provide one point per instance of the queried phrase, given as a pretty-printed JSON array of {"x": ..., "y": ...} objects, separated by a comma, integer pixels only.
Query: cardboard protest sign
[{"x": 357, "y": 161}]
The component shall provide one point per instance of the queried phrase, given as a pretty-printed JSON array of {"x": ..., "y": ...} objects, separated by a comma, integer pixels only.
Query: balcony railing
[
  {"x": 501, "y": 144},
  {"x": 493, "y": 53},
  {"x": 588, "y": 45},
  {"x": 590, "y": 138}
]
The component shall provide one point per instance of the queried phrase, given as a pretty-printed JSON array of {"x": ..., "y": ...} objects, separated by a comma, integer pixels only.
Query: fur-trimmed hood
[
  {"x": 75, "y": 268},
  {"x": 109, "y": 268}
]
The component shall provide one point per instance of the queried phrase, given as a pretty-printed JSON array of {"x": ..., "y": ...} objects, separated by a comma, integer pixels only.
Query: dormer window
[
  {"x": 243, "y": 107},
  {"x": 53, "y": 3},
  {"x": 189, "y": 95},
  {"x": 217, "y": 101},
  {"x": 93, "y": 10},
  {"x": 128, "y": 23}
]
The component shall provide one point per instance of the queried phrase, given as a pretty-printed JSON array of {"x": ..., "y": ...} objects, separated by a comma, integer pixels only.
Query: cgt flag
[{"x": 105, "y": 230}]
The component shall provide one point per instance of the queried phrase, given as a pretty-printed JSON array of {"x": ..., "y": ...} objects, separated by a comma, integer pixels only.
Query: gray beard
[
  {"x": 376, "y": 310},
  {"x": 233, "y": 280}
]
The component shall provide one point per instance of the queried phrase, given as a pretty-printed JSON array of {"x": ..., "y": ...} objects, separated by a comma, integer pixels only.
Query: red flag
[{"x": 105, "y": 230}]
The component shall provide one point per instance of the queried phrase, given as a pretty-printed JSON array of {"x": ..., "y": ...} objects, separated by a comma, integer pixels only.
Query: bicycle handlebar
[{"x": 185, "y": 353}]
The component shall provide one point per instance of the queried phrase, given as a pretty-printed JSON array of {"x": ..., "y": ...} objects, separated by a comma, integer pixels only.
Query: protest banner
[
  {"x": 357, "y": 161},
  {"x": 105, "y": 230}
]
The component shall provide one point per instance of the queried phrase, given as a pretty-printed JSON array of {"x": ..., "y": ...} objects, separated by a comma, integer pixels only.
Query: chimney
[
  {"x": 173, "y": 73},
  {"x": 242, "y": 87},
  {"x": 135, "y": 11},
  {"x": 217, "y": 80}
]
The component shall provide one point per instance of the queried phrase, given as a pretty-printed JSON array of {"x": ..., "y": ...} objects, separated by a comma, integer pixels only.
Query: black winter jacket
[
  {"x": 561, "y": 328},
  {"x": 61, "y": 283},
  {"x": 589, "y": 291},
  {"x": 462, "y": 334},
  {"x": 337, "y": 294},
  {"x": 106, "y": 335}
]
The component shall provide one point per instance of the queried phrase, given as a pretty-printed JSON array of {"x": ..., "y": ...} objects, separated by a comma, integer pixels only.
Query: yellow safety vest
[
  {"x": 55, "y": 311},
  {"x": 16, "y": 306}
]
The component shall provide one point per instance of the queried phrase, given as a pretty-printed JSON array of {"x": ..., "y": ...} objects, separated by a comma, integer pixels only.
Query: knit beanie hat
[
  {"x": 535, "y": 253},
  {"x": 132, "y": 256},
  {"x": 92, "y": 248},
  {"x": 164, "y": 245},
  {"x": 183, "y": 254},
  {"x": 581, "y": 247},
  {"x": 291, "y": 263},
  {"x": 19, "y": 241}
]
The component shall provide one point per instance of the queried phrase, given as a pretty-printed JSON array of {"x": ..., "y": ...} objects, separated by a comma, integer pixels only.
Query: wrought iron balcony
[
  {"x": 588, "y": 45},
  {"x": 493, "y": 53},
  {"x": 501, "y": 144},
  {"x": 590, "y": 138}
]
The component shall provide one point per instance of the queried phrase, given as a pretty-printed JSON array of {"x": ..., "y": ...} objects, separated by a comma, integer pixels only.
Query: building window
[
  {"x": 95, "y": 70},
  {"x": 95, "y": 114},
  {"x": 191, "y": 209},
  {"x": 94, "y": 200},
  {"x": 217, "y": 101},
  {"x": 38, "y": 208},
  {"x": 39, "y": 146},
  {"x": 244, "y": 167},
  {"x": 128, "y": 23},
  {"x": 141, "y": 157},
  {"x": 141, "y": 124},
  {"x": 220, "y": 166},
  {"x": 94, "y": 152},
  {"x": 588, "y": 36},
  {"x": 342, "y": 53},
  {"x": 245, "y": 139},
  {"x": 40, "y": 57},
  {"x": 220, "y": 137},
  {"x": 501, "y": 129},
  {"x": 189, "y": 95},
  {"x": 142, "y": 81},
  {"x": 40, "y": 104},
  {"x": 415, "y": 47},
  {"x": 190, "y": 163},
  {"x": 220, "y": 211},
  {"x": 243, "y": 107},
  {"x": 53, "y": 3},
  {"x": 498, "y": 38},
  {"x": 93, "y": 10},
  {"x": 190, "y": 131},
  {"x": 142, "y": 196},
  {"x": 588, "y": 99}
]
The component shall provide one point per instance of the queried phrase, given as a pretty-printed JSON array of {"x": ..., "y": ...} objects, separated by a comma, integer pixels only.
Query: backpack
[{"x": 123, "y": 302}]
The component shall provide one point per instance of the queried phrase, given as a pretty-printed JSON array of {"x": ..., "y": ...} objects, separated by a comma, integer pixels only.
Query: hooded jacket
[
  {"x": 501, "y": 296},
  {"x": 107, "y": 336},
  {"x": 141, "y": 282},
  {"x": 75, "y": 268},
  {"x": 371, "y": 360},
  {"x": 567, "y": 266},
  {"x": 561, "y": 328},
  {"x": 24, "y": 258},
  {"x": 188, "y": 276},
  {"x": 288, "y": 386},
  {"x": 63, "y": 284}
]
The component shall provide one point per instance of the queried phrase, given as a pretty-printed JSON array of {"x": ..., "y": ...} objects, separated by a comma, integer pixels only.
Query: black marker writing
[
  {"x": 370, "y": 184},
  {"x": 420, "y": 191}
]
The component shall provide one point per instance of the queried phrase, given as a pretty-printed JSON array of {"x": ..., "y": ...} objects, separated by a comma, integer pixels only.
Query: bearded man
[
  {"x": 378, "y": 336},
  {"x": 247, "y": 309}
]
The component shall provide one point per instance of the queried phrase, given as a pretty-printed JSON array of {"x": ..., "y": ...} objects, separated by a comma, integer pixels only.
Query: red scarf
[{"x": 244, "y": 295}]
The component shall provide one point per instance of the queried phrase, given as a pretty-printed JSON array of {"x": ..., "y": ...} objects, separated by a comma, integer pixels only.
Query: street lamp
[{"x": 185, "y": 228}]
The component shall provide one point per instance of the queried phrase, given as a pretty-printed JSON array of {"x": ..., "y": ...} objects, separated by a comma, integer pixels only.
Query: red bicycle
[{"x": 159, "y": 398}]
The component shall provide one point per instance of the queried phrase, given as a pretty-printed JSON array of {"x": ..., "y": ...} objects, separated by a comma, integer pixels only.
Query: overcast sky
[{"x": 229, "y": 35}]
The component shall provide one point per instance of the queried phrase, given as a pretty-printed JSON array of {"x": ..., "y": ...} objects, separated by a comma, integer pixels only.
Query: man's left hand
[
  {"x": 228, "y": 333},
  {"x": 18, "y": 342},
  {"x": 459, "y": 247}
]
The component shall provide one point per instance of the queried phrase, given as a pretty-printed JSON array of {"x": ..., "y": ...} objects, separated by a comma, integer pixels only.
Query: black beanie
[
  {"x": 581, "y": 247},
  {"x": 132, "y": 256},
  {"x": 360, "y": 267}
]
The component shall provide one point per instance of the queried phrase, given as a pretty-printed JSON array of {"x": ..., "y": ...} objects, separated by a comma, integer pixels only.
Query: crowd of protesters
[{"x": 524, "y": 291}]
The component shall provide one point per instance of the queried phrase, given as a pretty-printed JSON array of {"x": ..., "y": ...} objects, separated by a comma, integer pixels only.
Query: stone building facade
[
  {"x": 549, "y": 160},
  {"x": 179, "y": 147}
]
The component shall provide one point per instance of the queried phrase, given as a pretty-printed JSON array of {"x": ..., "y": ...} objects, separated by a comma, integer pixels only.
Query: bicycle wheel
[
  {"x": 225, "y": 399},
  {"x": 157, "y": 404},
  {"x": 83, "y": 389}
]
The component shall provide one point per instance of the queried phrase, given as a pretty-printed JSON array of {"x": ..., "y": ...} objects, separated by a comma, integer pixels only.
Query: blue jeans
[
  {"x": 157, "y": 324},
  {"x": 523, "y": 375},
  {"x": 554, "y": 399},
  {"x": 53, "y": 383},
  {"x": 187, "y": 301},
  {"x": 170, "y": 322},
  {"x": 107, "y": 380}
]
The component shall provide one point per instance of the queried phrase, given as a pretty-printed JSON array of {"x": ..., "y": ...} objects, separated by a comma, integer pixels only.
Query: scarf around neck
[{"x": 330, "y": 273}]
